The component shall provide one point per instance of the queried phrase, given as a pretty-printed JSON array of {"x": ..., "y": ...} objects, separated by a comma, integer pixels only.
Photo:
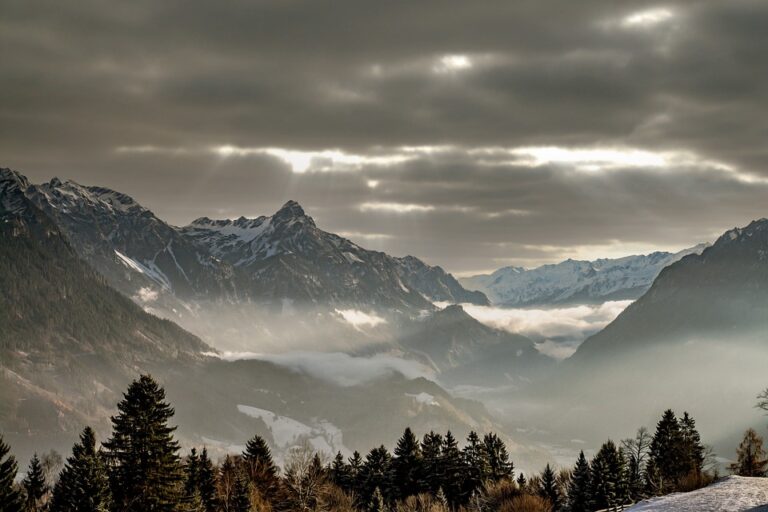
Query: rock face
[
  {"x": 265, "y": 260},
  {"x": 68, "y": 341},
  {"x": 574, "y": 281},
  {"x": 129, "y": 245},
  {"x": 722, "y": 291},
  {"x": 288, "y": 256}
]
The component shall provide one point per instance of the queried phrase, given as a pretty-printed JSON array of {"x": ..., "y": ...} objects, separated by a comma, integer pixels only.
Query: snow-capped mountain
[
  {"x": 722, "y": 291},
  {"x": 129, "y": 245},
  {"x": 287, "y": 255},
  {"x": 574, "y": 281},
  {"x": 244, "y": 284}
]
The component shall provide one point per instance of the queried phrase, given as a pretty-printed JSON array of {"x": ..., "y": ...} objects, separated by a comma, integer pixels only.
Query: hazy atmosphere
[{"x": 394, "y": 256}]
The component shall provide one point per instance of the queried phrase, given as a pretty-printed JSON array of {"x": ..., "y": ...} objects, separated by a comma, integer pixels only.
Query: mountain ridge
[{"x": 575, "y": 281}]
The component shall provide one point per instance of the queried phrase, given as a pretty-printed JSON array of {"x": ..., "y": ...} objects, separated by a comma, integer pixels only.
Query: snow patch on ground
[
  {"x": 424, "y": 398},
  {"x": 287, "y": 432},
  {"x": 357, "y": 318},
  {"x": 150, "y": 270},
  {"x": 731, "y": 494}
]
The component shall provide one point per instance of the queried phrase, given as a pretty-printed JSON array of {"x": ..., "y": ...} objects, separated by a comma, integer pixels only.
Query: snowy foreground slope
[{"x": 731, "y": 494}]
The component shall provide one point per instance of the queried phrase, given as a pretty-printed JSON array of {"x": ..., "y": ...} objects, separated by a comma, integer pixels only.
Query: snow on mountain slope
[
  {"x": 128, "y": 244},
  {"x": 288, "y": 254},
  {"x": 731, "y": 494},
  {"x": 574, "y": 281}
]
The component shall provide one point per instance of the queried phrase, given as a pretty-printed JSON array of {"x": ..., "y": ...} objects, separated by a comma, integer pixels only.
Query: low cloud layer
[
  {"x": 474, "y": 135},
  {"x": 339, "y": 368},
  {"x": 557, "y": 331}
]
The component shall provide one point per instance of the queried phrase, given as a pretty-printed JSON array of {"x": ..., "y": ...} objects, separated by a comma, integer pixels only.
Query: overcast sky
[{"x": 473, "y": 134}]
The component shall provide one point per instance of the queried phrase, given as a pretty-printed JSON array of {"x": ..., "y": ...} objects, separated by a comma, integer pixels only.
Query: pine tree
[
  {"x": 35, "y": 487},
  {"x": 499, "y": 465},
  {"x": 192, "y": 470},
  {"x": 241, "y": 496},
  {"x": 751, "y": 458},
  {"x": 145, "y": 469},
  {"x": 260, "y": 468},
  {"x": 692, "y": 447},
  {"x": 356, "y": 474},
  {"x": 10, "y": 499},
  {"x": 376, "y": 474},
  {"x": 476, "y": 466},
  {"x": 522, "y": 483},
  {"x": 83, "y": 484},
  {"x": 377, "y": 503},
  {"x": 668, "y": 452},
  {"x": 433, "y": 468},
  {"x": 339, "y": 473},
  {"x": 407, "y": 466},
  {"x": 602, "y": 488},
  {"x": 579, "y": 490},
  {"x": 453, "y": 469},
  {"x": 207, "y": 483},
  {"x": 549, "y": 489}
]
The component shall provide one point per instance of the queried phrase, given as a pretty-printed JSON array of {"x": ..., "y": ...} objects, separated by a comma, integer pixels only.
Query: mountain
[
  {"x": 467, "y": 352},
  {"x": 694, "y": 341},
  {"x": 721, "y": 292},
  {"x": 574, "y": 281},
  {"x": 70, "y": 344},
  {"x": 129, "y": 245},
  {"x": 64, "y": 330},
  {"x": 288, "y": 256},
  {"x": 243, "y": 284}
]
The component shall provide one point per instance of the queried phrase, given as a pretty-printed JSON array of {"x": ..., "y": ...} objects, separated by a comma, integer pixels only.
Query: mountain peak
[
  {"x": 10, "y": 176},
  {"x": 12, "y": 188},
  {"x": 293, "y": 208},
  {"x": 292, "y": 211}
]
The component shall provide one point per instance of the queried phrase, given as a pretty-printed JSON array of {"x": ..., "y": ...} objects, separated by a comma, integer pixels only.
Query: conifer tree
[
  {"x": 433, "y": 468},
  {"x": 549, "y": 489},
  {"x": 453, "y": 469},
  {"x": 476, "y": 465},
  {"x": 35, "y": 487},
  {"x": 376, "y": 474},
  {"x": 602, "y": 484},
  {"x": 407, "y": 466},
  {"x": 260, "y": 468},
  {"x": 750, "y": 456},
  {"x": 241, "y": 495},
  {"x": 10, "y": 498},
  {"x": 579, "y": 490},
  {"x": 355, "y": 474},
  {"x": 668, "y": 452},
  {"x": 522, "y": 483},
  {"x": 612, "y": 488},
  {"x": 339, "y": 473},
  {"x": 192, "y": 478},
  {"x": 377, "y": 503},
  {"x": 692, "y": 447},
  {"x": 145, "y": 469},
  {"x": 497, "y": 458},
  {"x": 207, "y": 483},
  {"x": 83, "y": 484}
]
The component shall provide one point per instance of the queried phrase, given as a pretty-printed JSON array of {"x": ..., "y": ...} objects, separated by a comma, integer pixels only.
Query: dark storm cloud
[{"x": 168, "y": 82}]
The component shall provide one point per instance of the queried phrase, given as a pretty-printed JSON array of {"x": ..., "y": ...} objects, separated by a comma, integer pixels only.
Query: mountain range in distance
[{"x": 575, "y": 281}]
